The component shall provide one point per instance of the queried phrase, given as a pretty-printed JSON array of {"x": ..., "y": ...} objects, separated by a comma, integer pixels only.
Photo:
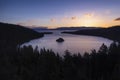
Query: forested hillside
[
  {"x": 10, "y": 34},
  {"x": 111, "y": 33}
]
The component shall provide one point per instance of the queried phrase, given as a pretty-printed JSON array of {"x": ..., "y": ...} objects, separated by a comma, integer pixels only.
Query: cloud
[
  {"x": 117, "y": 19},
  {"x": 69, "y": 18},
  {"x": 52, "y": 20},
  {"x": 63, "y": 19},
  {"x": 89, "y": 14},
  {"x": 73, "y": 18}
]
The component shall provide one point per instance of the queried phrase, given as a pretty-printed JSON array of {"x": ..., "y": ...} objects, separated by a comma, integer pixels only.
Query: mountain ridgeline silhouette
[
  {"x": 110, "y": 33},
  {"x": 16, "y": 34}
]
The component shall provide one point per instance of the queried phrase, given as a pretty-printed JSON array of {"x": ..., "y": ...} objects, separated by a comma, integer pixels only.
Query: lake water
[{"x": 73, "y": 43}]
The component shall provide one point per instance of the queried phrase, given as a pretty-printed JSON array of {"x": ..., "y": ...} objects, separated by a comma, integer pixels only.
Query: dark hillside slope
[
  {"x": 10, "y": 34},
  {"x": 111, "y": 33}
]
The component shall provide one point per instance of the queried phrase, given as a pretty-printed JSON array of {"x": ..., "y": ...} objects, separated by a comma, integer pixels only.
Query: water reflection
[{"x": 73, "y": 43}]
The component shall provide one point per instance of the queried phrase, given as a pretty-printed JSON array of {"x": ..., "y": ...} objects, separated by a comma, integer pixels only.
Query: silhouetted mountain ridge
[
  {"x": 16, "y": 33},
  {"x": 111, "y": 32},
  {"x": 65, "y": 28},
  {"x": 76, "y": 28}
]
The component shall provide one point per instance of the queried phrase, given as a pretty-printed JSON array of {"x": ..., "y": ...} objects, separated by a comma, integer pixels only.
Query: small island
[{"x": 60, "y": 40}]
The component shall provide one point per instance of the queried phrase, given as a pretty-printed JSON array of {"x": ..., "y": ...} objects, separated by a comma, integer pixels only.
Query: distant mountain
[
  {"x": 76, "y": 28},
  {"x": 65, "y": 28},
  {"x": 10, "y": 33},
  {"x": 43, "y": 30},
  {"x": 40, "y": 28},
  {"x": 111, "y": 32}
]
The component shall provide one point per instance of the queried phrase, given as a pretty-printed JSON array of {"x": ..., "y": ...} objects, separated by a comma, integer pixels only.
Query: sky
[{"x": 60, "y": 13}]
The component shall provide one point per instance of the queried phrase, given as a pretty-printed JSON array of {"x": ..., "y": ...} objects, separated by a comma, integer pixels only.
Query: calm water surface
[{"x": 73, "y": 43}]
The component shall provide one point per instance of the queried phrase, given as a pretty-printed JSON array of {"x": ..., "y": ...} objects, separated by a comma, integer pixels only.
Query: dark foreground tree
[{"x": 31, "y": 64}]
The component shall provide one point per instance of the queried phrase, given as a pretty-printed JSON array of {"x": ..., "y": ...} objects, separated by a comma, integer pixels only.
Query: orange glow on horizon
[{"x": 87, "y": 20}]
